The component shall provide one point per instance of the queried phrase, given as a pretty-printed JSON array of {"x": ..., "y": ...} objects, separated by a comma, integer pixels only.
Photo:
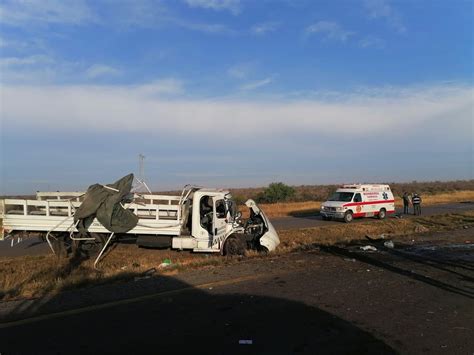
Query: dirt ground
[{"x": 414, "y": 298}]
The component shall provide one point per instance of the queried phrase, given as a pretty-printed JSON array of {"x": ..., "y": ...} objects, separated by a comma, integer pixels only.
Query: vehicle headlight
[
  {"x": 323, "y": 207},
  {"x": 340, "y": 209}
]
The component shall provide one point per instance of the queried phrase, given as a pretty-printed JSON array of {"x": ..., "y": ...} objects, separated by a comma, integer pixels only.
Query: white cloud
[
  {"x": 36, "y": 69},
  {"x": 45, "y": 11},
  {"x": 14, "y": 44},
  {"x": 241, "y": 70},
  {"x": 330, "y": 30},
  {"x": 256, "y": 84},
  {"x": 383, "y": 9},
  {"x": 168, "y": 86},
  {"x": 230, "y": 5},
  {"x": 205, "y": 27},
  {"x": 117, "y": 14},
  {"x": 264, "y": 28},
  {"x": 100, "y": 70},
  {"x": 146, "y": 109},
  {"x": 372, "y": 41},
  {"x": 33, "y": 60}
]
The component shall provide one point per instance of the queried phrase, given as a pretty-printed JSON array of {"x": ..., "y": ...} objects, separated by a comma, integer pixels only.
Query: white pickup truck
[{"x": 200, "y": 219}]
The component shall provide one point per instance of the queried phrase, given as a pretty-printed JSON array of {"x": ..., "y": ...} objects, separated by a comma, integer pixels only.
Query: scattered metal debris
[
  {"x": 146, "y": 275},
  {"x": 245, "y": 341},
  {"x": 389, "y": 244},
  {"x": 368, "y": 248},
  {"x": 165, "y": 263}
]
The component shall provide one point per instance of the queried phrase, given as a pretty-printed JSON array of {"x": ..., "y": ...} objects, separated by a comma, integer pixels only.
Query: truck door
[
  {"x": 219, "y": 225},
  {"x": 358, "y": 209}
]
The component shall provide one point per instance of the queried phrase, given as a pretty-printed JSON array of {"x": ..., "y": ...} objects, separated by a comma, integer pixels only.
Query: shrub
[{"x": 276, "y": 192}]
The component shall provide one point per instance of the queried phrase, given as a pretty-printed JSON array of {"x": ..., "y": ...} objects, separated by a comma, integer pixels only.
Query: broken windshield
[{"x": 341, "y": 196}]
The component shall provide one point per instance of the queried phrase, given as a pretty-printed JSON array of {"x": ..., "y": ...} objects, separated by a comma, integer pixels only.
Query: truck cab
[{"x": 211, "y": 222}]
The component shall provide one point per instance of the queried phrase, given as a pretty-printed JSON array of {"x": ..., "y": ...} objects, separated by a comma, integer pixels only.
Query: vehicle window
[
  {"x": 341, "y": 197},
  {"x": 205, "y": 206},
  {"x": 220, "y": 209},
  {"x": 357, "y": 198}
]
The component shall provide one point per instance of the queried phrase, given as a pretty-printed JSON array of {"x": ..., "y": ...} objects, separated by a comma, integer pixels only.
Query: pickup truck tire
[
  {"x": 348, "y": 217},
  {"x": 235, "y": 245},
  {"x": 382, "y": 213}
]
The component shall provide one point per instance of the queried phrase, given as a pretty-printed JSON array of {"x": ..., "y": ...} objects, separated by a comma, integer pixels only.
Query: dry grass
[
  {"x": 391, "y": 228},
  {"x": 311, "y": 207},
  {"x": 291, "y": 208},
  {"x": 36, "y": 276}
]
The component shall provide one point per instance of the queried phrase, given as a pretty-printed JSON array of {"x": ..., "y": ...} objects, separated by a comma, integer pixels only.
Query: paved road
[
  {"x": 336, "y": 300},
  {"x": 34, "y": 246},
  {"x": 315, "y": 221}
]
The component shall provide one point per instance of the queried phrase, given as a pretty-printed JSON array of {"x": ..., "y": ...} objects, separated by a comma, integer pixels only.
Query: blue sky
[{"x": 234, "y": 93}]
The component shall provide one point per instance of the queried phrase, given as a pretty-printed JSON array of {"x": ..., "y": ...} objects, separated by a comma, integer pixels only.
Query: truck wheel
[
  {"x": 234, "y": 246},
  {"x": 348, "y": 217},
  {"x": 382, "y": 213}
]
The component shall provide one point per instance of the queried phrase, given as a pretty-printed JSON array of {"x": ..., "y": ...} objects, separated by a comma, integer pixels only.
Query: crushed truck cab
[{"x": 211, "y": 217}]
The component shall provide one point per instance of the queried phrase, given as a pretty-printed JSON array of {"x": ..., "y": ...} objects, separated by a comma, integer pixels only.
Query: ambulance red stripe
[{"x": 367, "y": 203}]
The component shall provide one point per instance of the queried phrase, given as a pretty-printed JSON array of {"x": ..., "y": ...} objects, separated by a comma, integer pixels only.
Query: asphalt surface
[
  {"x": 35, "y": 246},
  {"x": 315, "y": 221},
  {"x": 332, "y": 300}
]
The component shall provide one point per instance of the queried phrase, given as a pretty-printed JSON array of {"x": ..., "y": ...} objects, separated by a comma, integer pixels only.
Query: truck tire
[
  {"x": 348, "y": 217},
  {"x": 234, "y": 246},
  {"x": 382, "y": 213}
]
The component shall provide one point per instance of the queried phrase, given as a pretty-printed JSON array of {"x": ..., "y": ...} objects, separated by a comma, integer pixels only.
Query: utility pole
[{"x": 141, "y": 167}]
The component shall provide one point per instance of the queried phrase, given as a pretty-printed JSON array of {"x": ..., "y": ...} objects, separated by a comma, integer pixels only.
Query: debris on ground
[
  {"x": 376, "y": 239},
  {"x": 420, "y": 229},
  {"x": 146, "y": 275},
  {"x": 150, "y": 272},
  {"x": 165, "y": 263},
  {"x": 389, "y": 244},
  {"x": 245, "y": 342},
  {"x": 368, "y": 248},
  {"x": 349, "y": 259}
]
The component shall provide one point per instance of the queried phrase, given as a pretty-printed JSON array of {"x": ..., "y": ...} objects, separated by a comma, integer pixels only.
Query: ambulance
[{"x": 360, "y": 200}]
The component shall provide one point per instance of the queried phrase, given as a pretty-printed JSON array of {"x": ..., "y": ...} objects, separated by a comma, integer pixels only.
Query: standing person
[
  {"x": 406, "y": 202},
  {"x": 416, "y": 200}
]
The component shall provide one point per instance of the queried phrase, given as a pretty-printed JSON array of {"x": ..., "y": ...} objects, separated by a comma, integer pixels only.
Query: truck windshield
[{"x": 342, "y": 196}]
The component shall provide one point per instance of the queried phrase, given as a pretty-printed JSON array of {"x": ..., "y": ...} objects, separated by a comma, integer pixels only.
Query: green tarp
[{"x": 104, "y": 204}]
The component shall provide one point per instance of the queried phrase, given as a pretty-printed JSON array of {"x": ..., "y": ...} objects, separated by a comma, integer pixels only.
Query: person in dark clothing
[
  {"x": 416, "y": 200},
  {"x": 406, "y": 202}
]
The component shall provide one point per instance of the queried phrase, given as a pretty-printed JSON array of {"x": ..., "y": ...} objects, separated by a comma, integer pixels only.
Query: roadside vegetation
[
  {"x": 307, "y": 208},
  {"x": 37, "y": 276},
  {"x": 305, "y": 193}
]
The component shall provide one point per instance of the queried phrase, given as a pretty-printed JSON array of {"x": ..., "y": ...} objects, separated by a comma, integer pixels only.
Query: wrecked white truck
[{"x": 200, "y": 219}]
